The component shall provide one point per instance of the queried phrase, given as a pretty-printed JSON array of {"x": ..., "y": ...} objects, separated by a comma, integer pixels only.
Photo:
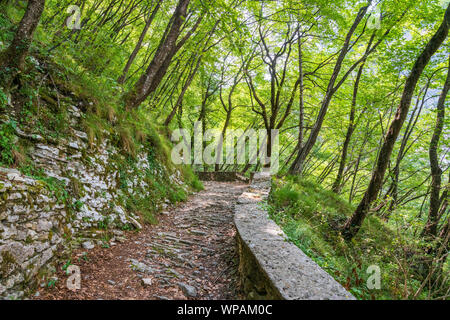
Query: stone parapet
[{"x": 271, "y": 267}]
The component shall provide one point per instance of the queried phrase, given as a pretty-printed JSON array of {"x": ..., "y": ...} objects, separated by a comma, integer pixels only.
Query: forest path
[{"x": 191, "y": 254}]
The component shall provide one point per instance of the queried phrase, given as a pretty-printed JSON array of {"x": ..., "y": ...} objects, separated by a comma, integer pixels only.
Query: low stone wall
[
  {"x": 224, "y": 176},
  {"x": 271, "y": 268},
  {"x": 37, "y": 223}
]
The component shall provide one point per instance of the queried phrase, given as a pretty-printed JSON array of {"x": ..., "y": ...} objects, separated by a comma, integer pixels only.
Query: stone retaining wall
[
  {"x": 222, "y": 176},
  {"x": 270, "y": 266},
  {"x": 36, "y": 224}
]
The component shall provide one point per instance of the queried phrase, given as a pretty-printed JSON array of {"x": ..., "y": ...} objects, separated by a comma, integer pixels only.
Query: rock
[
  {"x": 208, "y": 251},
  {"x": 188, "y": 291},
  {"x": 88, "y": 245},
  {"x": 81, "y": 135},
  {"x": 141, "y": 267},
  {"x": 147, "y": 282},
  {"x": 198, "y": 232},
  {"x": 121, "y": 239},
  {"x": 175, "y": 273},
  {"x": 44, "y": 225},
  {"x": 135, "y": 223},
  {"x": 33, "y": 221},
  {"x": 161, "y": 298},
  {"x": 74, "y": 145}
]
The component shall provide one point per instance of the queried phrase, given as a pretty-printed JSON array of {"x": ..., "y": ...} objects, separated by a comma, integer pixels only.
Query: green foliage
[
  {"x": 3, "y": 99},
  {"x": 8, "y": 141},
  {"x": 311, "y": 217},
  {"x": 52, "y": 282},
  {"x": 77, "y": 205},
  {"x": 191, "y": 179}
]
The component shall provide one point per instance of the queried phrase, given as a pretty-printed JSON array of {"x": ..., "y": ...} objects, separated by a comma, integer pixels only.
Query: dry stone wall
[
  {"x": 270, "y": 266},
  {"x": 39, "y": 219}
]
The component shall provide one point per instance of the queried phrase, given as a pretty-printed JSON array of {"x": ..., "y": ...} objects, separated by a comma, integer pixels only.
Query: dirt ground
[{"x": 190, "y": 254}]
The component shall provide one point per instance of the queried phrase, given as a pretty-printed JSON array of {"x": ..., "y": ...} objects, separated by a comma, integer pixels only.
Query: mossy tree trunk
[
  {"x": 167, "y": 49},
  {"x": 138, "y": 46},
  {"x": 430, "y": 229},
  {"x": 12, "y": 60}
]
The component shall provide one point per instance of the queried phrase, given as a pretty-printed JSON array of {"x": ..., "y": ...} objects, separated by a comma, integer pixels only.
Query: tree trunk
[
  {"x": 157, "y": 68},
  {"x": 354, "y": 223},
  {"x": 337, "y": 186},
  {"x": 138, "y": 46},
  {"x": 393, "y": 189},
  {"x": 222, "y": 137},
  {"x": 430, "y": 229},
  {"x": 297, "y": 165},
  {"x": 183, "y": 92},
  {"x": 13, "y": 59},
  {"x": 301, "y": 119}
]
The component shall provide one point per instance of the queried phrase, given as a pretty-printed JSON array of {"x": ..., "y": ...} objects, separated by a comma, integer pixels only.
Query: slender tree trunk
[
  {"x": 138, "y": 46},
  {"x": 337, "y": 186},
  {"x": 13, "y": 59},
  {"x": 301, "y": 119},
  {"x": 430, "y": 229},
  {"x": 222, "y": 137},
  {"x": 393, "y": 189},
  {"x": 156, "y": 70},
  {"x": 183, "y": 92},
  {"x": 297, "y": 165},
  {"x": 354, "y": 223}
]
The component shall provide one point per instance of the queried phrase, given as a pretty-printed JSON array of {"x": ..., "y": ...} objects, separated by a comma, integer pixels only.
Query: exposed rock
[
  {"x": 88, "y": 245},
  {"x": 198, "y": 232},
  {"x": 147, "y": 282},
  {"x": 175, "y": 273},
  {"x": 121, "y": 239},
  {"x": 134, "y": 222},
  {"x": 188, "y": 291},
  {"x": 141, "y": 267}
]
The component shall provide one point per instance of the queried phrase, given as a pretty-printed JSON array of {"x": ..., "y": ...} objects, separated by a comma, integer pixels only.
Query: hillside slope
[{"x": 65, "y": 179}]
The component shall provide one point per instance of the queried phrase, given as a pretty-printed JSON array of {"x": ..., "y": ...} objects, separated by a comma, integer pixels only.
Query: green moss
[{"x": 28, "y": 240}]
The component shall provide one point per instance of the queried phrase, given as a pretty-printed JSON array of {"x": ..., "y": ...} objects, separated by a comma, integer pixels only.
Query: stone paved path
[{"x": 190, "y": 254}]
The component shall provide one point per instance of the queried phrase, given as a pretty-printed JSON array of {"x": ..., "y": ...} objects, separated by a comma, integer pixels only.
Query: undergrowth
[{"x": 311, "y": 217}]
